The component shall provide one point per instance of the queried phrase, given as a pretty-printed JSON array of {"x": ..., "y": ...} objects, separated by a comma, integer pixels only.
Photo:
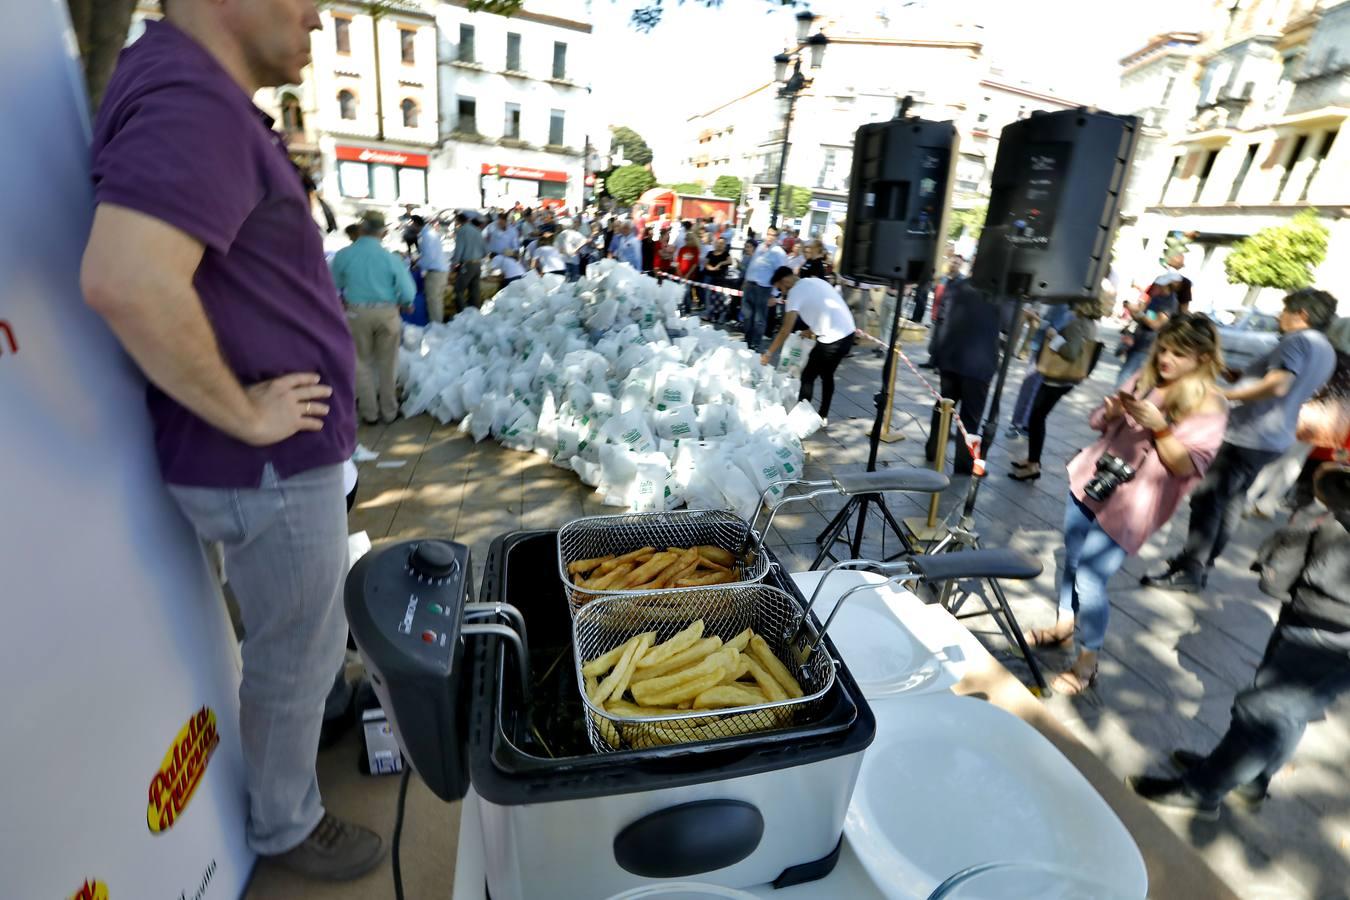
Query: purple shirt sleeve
[{"x": 173, "y": 158}]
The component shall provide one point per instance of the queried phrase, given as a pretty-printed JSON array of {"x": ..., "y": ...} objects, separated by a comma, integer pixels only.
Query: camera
[{"x": 1112, "y": 472}]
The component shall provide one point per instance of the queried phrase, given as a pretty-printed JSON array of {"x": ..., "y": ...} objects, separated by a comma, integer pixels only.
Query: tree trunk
[{"x": 101, "y": 30}]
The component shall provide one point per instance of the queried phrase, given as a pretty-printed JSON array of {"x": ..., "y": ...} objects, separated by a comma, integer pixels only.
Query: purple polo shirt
[{"x": 178, "y": 139}]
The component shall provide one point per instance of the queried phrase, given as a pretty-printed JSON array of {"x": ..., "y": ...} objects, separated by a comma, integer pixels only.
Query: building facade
[
  {"x": 944, "y": 71},
  {"x": 430, "y": 106},
  {"x": 515, "y": 105},
  {"x": 1261, "y": 143},
  {"x": 373, "y": 80},
  {"x": 1160, "y": 84}
]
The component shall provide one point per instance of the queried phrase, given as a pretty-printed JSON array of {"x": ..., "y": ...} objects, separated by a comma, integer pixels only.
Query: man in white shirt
[
  {"x": 508, "y": 268},
  {"x": 434, "y": 265},
  {"x": 827, "y": 315},
  {"x": 502, "y": 237},
  {"x": 767, "y": 258},
  {"x": 569, "y": 243}
]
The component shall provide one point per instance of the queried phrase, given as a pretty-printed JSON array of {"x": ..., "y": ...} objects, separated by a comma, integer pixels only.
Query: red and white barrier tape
[
  {"x": 731, "y": 292},
  {"x": 972, "y": 441}
]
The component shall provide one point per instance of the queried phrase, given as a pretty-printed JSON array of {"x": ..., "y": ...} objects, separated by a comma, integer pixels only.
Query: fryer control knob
[{"x": 433, "y": 561}]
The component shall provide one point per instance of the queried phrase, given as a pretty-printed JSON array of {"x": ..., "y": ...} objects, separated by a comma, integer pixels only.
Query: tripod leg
[
  {"x": 856, "y": 546},
  {"x": 1010, "y": 627},
  {"x": 831, "y": 533},
  {"x": 833, "y": 527},
  {"x": 909, "y": 548}
]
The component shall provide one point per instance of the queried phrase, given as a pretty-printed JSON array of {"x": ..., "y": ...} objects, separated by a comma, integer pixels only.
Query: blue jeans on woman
[
  {"x": 1091, "y": 557},
  {"x": 1026, "y": 396}
]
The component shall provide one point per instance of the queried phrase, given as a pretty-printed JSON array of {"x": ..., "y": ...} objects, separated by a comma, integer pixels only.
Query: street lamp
[{"x": 791, "y": 86}]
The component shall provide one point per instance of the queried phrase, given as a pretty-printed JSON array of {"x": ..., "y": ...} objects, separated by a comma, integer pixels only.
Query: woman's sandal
[
  {"x": 1046, "y": 637},
  {"x": 1071, "y": 684}
]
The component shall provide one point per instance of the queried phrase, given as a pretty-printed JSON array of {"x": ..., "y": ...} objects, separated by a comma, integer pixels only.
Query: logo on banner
[
  {"x": 92, "y": 889},
  {"x": 182, "y": 769}
]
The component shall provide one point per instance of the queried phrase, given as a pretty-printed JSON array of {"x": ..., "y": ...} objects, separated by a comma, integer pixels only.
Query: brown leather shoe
[{"x": 334, "y": 851}]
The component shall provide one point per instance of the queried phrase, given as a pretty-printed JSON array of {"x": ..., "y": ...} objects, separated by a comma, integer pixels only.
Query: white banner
[{"x": 120, "y": 770}]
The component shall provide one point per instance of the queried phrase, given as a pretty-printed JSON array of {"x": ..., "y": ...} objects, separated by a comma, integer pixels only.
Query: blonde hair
[{"x": 1185, "y": 335}]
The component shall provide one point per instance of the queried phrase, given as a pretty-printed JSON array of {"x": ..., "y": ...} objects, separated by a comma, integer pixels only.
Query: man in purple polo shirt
[{"x": 204, "y": 261}]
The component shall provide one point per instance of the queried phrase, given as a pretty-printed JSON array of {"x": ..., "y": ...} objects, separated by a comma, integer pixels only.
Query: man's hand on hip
[{"x": 285, "y": 406}]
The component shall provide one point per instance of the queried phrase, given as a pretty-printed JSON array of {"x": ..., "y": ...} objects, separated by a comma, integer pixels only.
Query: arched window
[
  {"x": 410, "y": 112},
  {"x": 292, "y": 117},
  {"x": 346, "y": 104}
]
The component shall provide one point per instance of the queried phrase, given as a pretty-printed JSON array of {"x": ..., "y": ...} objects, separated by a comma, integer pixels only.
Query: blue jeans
[
  {"x": 755, "y": 313},
  {"x": 1134, "y": 361},
  {"x": 1025, "y": 397},
  {"x": 1303, "y": 672},
  {"x": 286, "y": 560},
  {"x": 573, "y": 269},
  {"x": 1091, "y": 557}
]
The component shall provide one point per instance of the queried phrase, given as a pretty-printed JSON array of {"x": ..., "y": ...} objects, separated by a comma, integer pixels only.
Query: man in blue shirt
[
  {"x": 627, "y": 247},
  {"x": 434, "y": 266},
  {"x": 759, "y": 269},
  {"x": 467, "y": 260},
  {"x": 1261, "y": 428},
  {"x": 374, "y": 284}
]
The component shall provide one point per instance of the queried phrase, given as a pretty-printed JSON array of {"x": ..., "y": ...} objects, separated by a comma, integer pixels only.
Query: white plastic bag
[
  {"x": 630, "y": 429},
  {"x": 803, "y": 420},
  {"x": 796, "y": 349},
  {"x": 677, "y": 423}
]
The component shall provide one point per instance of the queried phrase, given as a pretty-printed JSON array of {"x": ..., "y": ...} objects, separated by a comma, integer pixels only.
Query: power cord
[{"x": 398, "y": 827}]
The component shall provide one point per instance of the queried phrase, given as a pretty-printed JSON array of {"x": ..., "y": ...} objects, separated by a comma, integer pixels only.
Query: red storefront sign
[
  {"x": 524, "y": 172},
  {"x": 388, "y": 157}
]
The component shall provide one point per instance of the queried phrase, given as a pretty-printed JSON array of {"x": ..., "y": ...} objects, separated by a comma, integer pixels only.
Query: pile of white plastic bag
[{"x": 604, "y": 377}]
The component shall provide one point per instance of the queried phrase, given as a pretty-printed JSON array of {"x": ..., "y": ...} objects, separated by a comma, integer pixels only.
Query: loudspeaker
[
  {"x": 1057, "y": 187},
  {"x": 897, "y": 199}
]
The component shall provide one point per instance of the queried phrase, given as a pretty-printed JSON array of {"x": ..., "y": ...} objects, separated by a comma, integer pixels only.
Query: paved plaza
[{"x": 1170, "y": 668}]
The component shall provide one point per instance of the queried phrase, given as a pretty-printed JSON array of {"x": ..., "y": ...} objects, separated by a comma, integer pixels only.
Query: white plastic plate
[
  {"x": 892, "y": 642},
  {"x": 952, "y": 782}
]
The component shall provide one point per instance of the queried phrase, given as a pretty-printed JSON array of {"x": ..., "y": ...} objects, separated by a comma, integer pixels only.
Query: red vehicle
[{"x": 663, "y": 204}]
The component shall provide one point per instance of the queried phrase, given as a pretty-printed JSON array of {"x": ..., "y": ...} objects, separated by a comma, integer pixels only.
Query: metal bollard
[{"x": 926, "y": 530}]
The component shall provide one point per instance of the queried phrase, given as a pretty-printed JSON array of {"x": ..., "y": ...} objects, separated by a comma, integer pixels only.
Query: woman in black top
[
  {"x": 715, "y": 266},
  {"x": 815, "y": 265}
]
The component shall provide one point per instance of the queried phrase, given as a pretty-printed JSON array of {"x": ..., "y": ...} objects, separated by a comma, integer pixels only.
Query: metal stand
[
  {"x": 963, "y": 536},
  {"x": 857, "y": 505},
  {"x": 927, "y": 530}
]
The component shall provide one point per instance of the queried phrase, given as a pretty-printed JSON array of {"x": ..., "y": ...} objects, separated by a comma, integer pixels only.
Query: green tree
[
  {"x": 971, "y": 220},
  {"x": 796, "y": 202},
  {"x": 728, "y": 186},
  {"x": 1282, "y": 256},
  {"x": 634, "y": 148},
  {"x": 686, "y": 187},
  {"x": 627, "y": 183}
]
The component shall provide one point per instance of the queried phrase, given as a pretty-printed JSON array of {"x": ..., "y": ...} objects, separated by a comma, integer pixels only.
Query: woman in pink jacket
[{"x": 1159, "y": 435}]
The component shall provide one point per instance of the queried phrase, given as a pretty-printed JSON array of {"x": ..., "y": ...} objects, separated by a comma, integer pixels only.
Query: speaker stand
[{"x": 857, "y": 506}]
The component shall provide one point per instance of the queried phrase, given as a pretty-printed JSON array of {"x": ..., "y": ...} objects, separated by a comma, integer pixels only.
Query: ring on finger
[{"x": 307, "y": 405}]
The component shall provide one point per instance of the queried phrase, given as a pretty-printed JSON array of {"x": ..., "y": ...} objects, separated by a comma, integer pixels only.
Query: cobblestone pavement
[{"x": 1171, "y": 664}]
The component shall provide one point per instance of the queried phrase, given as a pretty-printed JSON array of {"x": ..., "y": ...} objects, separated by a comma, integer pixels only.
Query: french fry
[
  {"x": 635, "y": 647},
  {"x": 585, "y": 565},
  {"x": 738, "y": 671},
  {"x": 706, "y": 563},
  {"x": 741, "y": 640},
  {"x": 648, "y": 570},
  {"x": 645, "y": 690},
  {"x": 632, "y": 710},
  {"x": 717, "y": 555},
  {"x": 678, "y": 572},
  {"x": 686, "y": 657},
  {"x": 614, "y": 562},
  {"x": 682, "y": 559},
  {"x": 644, "y": 643},
  {"x": 684, "y": 691},
  {"x": 725, "y": 696},
  {"x": 603, "y": 663},
  {"x": 608, "y": 733},
  {"x": 682, "y": 733},
  {"x": 668, "y": 648},
  {"x": 771, "y": 688},
  {"x": 604, "y": 582},
  {"x": 592, "y": 683},
  {"x": 759, "y": 649}
]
